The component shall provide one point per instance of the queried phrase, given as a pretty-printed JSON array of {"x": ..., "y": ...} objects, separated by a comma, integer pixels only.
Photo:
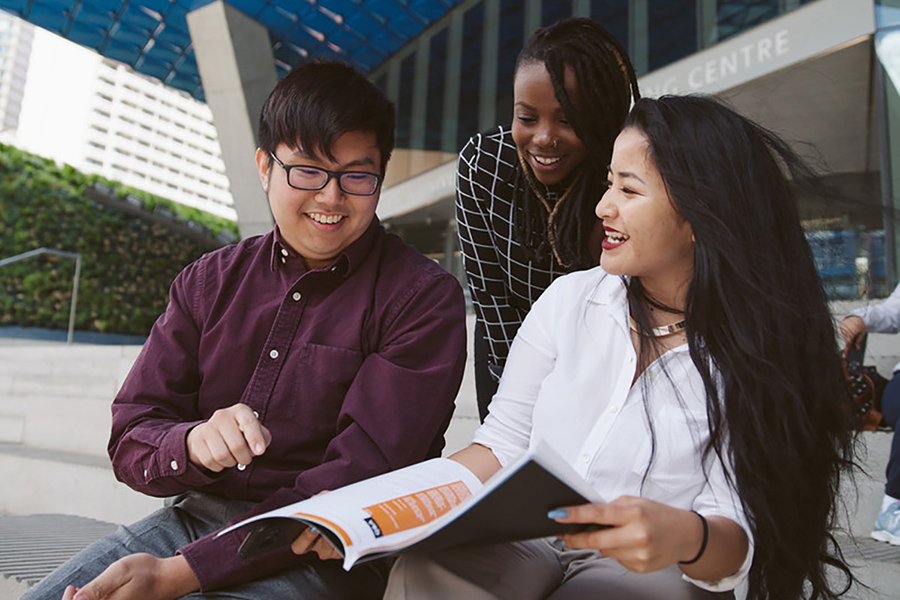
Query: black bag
[{"x": 866, "y": 387}]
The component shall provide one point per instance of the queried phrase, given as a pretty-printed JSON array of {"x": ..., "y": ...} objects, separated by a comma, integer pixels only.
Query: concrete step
[
  {"x": 79, "y": 366},
  {"x": 99, "y": 387},
  {"x": 42, "y": 481},
  {"x": 67, "y": 424},
  {"x": 52, "y": 352}
]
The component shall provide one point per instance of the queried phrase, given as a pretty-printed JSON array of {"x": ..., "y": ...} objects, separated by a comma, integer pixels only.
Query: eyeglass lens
[{"x": 352, "y": 182}]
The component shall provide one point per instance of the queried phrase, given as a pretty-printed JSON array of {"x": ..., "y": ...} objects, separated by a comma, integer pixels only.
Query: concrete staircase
[
  {"x": 54, "y": 427},
  {"x": 55, "y": 423}
]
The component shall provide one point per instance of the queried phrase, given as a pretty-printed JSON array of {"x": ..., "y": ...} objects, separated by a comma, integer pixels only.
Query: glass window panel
[
  {"x": 734, "y": 17},
  {"x": 672, "y": 32},
  {"x": 613, "y": 15},
  {"x": 510, "y": 41},
  {"x": 555, "y": 10},
  {"x": 405, "y": 100},
  {"x": 434, "y": 103},
  {"x": 887, "y": 13},
  {"x": 470, "y": 73}
]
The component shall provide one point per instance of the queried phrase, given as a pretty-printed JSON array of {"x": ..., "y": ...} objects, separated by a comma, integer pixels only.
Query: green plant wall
[{"x": 128, "y": 262}]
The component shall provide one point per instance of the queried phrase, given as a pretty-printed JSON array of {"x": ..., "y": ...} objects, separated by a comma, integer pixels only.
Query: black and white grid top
[{"x": 504, "y": 281}]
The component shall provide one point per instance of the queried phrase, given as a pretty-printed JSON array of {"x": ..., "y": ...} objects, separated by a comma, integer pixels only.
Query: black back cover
[{"x": 514, "y": 510}]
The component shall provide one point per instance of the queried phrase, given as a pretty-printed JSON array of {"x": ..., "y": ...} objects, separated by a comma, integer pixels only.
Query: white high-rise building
[
  {"x": 101, "y": 117},
  {"x": 15, "y": 49}
]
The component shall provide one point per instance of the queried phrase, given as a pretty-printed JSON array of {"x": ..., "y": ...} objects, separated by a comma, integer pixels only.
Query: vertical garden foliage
[{"x": 128, "y": 263}]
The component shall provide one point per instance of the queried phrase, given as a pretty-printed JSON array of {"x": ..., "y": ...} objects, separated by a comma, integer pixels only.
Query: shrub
[{"x": 128, "y": 262}]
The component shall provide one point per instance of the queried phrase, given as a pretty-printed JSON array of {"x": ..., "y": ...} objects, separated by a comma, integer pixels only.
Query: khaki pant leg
[
  {"x": 516, "y": 571},
  {"x": 599, "y": 578}
]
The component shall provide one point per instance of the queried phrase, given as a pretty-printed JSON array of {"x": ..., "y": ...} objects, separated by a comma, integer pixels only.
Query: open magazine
[{"x": 429, "y": 506}]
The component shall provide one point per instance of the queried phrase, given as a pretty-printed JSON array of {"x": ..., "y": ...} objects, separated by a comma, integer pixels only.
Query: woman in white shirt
[{"x": 692, "y": 379}]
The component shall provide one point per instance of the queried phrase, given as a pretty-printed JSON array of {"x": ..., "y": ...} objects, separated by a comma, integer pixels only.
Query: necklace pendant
[{"x": 663, "y": 330}]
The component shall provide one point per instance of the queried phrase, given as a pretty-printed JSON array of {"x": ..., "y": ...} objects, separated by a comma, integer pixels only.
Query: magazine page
[
  {"x": 513, "y": 505},
  {"x": 384, "y": 512}
]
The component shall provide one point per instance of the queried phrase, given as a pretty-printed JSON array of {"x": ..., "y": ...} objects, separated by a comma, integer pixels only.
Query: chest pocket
[
  {"x": 320, "y": 382},
  {"x": 676, "y": 470}
]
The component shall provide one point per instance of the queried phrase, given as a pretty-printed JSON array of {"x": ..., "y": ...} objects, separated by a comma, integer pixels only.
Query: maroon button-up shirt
[{"x": 353, "y": 368}]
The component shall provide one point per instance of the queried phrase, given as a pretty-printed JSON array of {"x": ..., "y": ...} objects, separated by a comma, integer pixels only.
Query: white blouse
[{"x": 568, "y": 383}]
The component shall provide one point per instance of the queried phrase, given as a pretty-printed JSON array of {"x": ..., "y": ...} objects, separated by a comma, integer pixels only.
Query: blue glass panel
[
  {"x": 613, "y": 15},
  {"x": 887, "y": 13},
  {"x": 363, "y": 32},
  {"x": 834, "y": 252},
  {"x": 405, "y": 101},
  {"x": 672, "y": 32},
  {"x": 510, "y": 42},
  {"x": 470, "y": 73},
  {"x": 555, "y": 10},
  {"x": 434, "y": 102},
  {"x": 734, "y": 17}
]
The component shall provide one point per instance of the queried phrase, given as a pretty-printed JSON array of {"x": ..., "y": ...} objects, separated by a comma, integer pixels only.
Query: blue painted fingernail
[{"x": 559, "y": 513}]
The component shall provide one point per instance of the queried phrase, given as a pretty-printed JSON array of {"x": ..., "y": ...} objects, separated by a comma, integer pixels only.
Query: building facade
[
  {"x": 101, "y": 117},
  {"x": 15, "y": 50},
  {"x": 821, "y": 73}
]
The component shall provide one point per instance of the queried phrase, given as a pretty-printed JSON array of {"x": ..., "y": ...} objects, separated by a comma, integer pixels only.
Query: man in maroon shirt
[{"x": 320, "y": 354}]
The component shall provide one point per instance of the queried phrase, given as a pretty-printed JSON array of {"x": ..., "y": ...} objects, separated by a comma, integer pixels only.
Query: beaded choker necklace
[{"x": 663, "y": 330}]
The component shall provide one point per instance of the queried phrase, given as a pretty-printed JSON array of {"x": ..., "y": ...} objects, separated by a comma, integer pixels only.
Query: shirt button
[
  {"x": 613, "y": 409},
  {"x": 174, "y": 465},
  {"x": 284, "y": 252},
  {"x": 241, "y": 467},
  {"x": 255, "y": 414},
  {"x": 283, "y": 260},
  {"x": 296, "y": 296},
  {"x": 146, "y": 474},
  {"x": 586, "y": 458},
  {"x": 273, "y": 354}
]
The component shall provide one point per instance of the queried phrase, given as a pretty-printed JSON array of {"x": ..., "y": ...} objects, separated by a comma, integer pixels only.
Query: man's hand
[
  {"x": 230, "y": 437},
  {"x": 141, "y": 577},
  {"x": 312, "y": 541},
  {"x": 853, "y": 330}
]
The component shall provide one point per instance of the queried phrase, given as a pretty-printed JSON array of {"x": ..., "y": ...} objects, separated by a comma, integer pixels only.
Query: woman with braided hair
[{"x": 526, "y": 192}]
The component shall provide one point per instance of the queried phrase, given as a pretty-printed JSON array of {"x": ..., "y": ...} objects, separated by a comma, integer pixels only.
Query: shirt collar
[
  {"x": 345, "y": 263},
  {"x": 610, "y": 289}
]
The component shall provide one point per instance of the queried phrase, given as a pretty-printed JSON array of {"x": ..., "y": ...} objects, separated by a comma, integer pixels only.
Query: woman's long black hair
[
  {"x": 607, "y": 86},
  {"x": 756, "y": 314}
]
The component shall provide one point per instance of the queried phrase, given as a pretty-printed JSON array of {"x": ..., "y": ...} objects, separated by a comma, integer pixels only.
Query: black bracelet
[{"x": 703, "y": 544}]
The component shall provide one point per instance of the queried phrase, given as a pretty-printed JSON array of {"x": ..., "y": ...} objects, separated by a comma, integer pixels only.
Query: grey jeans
[
  {"x": 533, "y": 570},
  {"x": 190, "y": 517}
]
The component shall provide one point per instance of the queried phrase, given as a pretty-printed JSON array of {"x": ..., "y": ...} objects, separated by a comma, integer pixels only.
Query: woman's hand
[
  {"x": 853, "y": 330},
  {"x": 644, "y": 535},
  {"x": 647, "y": 536}
]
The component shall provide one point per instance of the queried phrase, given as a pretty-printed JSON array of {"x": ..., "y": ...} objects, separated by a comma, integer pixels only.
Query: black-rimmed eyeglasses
[{"x": 303, "y": 177}]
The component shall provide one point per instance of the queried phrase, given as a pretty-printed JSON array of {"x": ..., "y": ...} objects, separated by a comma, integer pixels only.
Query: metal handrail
[{"x": 76, "y": 256}]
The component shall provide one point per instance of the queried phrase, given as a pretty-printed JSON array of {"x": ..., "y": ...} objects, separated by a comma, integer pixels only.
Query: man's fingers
[
  {"x": 230, "y": 437},
  {"x": 303, "y": 543},
  {"x": 256, "y": 436},
  {"x": 105, "y": 584},
  {"x": 325, "y": 549}
]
